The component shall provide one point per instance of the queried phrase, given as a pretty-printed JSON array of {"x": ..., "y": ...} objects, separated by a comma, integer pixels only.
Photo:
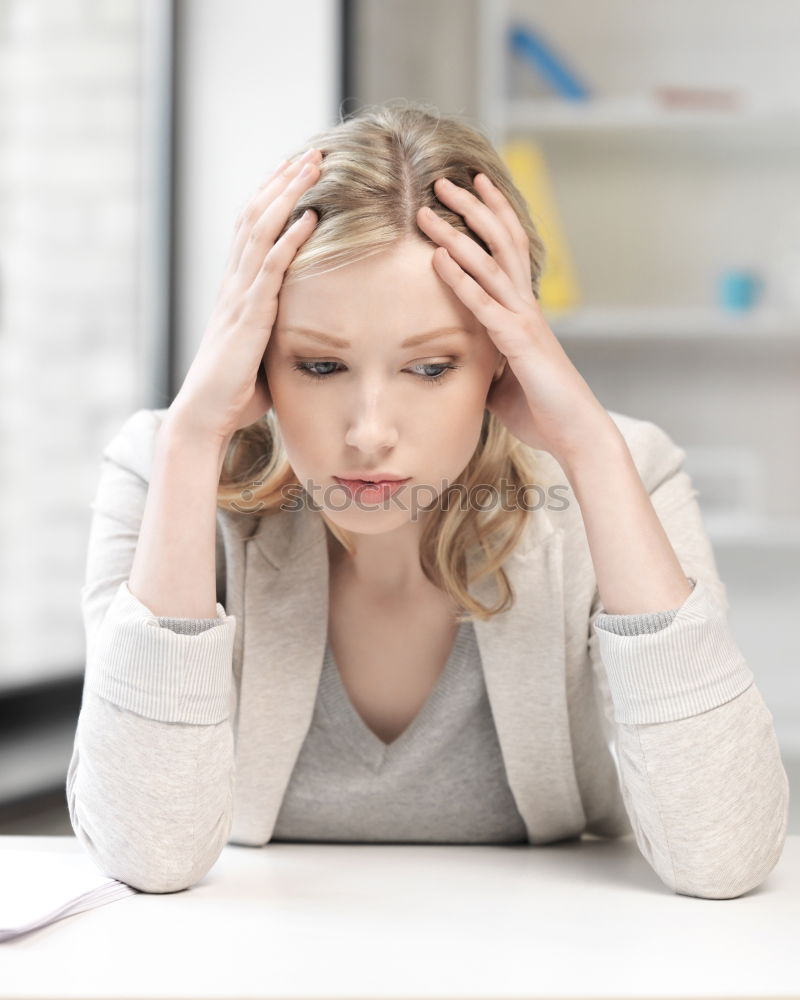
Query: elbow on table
[
  {"x": 159, "y": 842},
  {"x": 721, "y": 882},
  {"x": 122, "y": 855},
  {"x": 732, "y": 841},
  {"x": 729, "y": 887},
  {"x": 154, "y": 875},
  {"x": 151, "y": 881},
  {"x": 157, "y": 880}
]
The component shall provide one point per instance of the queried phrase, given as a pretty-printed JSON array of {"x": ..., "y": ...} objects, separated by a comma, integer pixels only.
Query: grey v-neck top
[{"x": 441, "y": 781}]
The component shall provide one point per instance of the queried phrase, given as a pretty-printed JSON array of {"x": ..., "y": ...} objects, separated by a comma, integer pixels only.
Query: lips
[
  {"x": 379, "y": 490},
  {"x": 375, "y": 478},
  {"x": 356, "y": 483}
]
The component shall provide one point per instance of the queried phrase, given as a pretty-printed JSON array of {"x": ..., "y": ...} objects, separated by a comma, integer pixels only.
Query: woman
[{"x": 523, "y": 640}]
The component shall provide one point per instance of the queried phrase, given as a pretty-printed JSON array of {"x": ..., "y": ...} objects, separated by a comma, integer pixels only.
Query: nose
[{"x": 371, "y": 427}]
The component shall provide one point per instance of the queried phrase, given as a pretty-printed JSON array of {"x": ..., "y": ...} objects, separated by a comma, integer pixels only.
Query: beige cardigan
[{"x": 186, "y": 742}]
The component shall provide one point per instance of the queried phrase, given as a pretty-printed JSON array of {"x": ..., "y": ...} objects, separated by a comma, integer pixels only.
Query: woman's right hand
[{"x": 226, "y": 386}]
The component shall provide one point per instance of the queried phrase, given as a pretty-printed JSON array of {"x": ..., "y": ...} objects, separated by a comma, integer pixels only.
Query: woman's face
[{"x": 415, "y": 410}]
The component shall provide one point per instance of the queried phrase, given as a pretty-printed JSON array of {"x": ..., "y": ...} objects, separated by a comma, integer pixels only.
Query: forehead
[{"x": 397, "y": 288}]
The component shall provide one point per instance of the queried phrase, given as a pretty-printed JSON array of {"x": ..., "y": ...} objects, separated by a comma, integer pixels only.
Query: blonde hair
[{"x": 377, "y": 171}]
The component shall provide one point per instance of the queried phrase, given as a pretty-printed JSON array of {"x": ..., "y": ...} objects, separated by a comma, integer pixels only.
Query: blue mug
[{"x": 738, "y": 289}]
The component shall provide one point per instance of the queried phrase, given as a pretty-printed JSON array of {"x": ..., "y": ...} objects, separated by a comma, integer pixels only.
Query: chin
[{"x": 364, "y": 521}]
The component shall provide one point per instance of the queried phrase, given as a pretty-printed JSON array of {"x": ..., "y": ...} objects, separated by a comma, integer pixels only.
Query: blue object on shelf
[
  {"x": 738, "y": 289},
  {"x": 525, "y": 42}
]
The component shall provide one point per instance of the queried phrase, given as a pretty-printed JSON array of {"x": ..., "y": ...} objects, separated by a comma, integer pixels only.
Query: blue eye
[{"x": 305, "y": 368}]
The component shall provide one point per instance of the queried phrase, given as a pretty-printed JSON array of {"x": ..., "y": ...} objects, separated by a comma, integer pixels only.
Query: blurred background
[{"x": 657, "y": 145}]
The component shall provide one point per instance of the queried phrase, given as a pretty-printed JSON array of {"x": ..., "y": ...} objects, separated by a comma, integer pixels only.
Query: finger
[
  {"x": 277, "y": 181},
  {"x": 501, "y": 207},
  {"x": 262, "y": 293},
  {"x": 288, "y": 166},
  {"x": 483, "y": 221},
  {"x": 251, "y": 213},
  {"x": 284, "y": 165},
  {"x": 472, "y": 258},
  {"x": 488, "y": 311},
  {"x": 265, "y": 232}
]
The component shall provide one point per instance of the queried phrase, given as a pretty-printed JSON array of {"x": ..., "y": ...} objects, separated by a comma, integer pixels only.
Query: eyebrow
[{"x": 419, "y": 338}]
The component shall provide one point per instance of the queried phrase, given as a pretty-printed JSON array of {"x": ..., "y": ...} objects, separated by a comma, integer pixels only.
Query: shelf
[
  {"x": 782, "y": 534},
  {"x": 679, "y": 322},
  {"x": 642, "y": 111}
]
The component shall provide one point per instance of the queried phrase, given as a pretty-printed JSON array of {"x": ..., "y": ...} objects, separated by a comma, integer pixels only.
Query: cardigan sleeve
[
  {"x": 697, "y": 756},
  {"x": 150, "y": 781}
]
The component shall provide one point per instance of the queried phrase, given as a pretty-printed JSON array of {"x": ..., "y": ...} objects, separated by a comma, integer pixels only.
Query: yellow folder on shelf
[{"x": 558, "y": 288}]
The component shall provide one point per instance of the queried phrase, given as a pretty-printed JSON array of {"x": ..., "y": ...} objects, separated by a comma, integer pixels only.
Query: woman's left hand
[{"x": 541, "y": 397}]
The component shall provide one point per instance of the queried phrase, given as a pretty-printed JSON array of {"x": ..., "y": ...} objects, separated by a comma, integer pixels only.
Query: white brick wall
[{"x": 70, "y": 211}]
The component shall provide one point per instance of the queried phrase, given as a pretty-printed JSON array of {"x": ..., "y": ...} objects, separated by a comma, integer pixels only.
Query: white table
[{"x": 580, "y": 920}]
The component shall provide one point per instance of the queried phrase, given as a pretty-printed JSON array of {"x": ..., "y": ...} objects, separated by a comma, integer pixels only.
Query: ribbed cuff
[
  {"x": 689, "y": 667},
  {"x": 638, "y": 624},
  {"x": 159, "y": 673},
  {"x": 188, "y": 626}
]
